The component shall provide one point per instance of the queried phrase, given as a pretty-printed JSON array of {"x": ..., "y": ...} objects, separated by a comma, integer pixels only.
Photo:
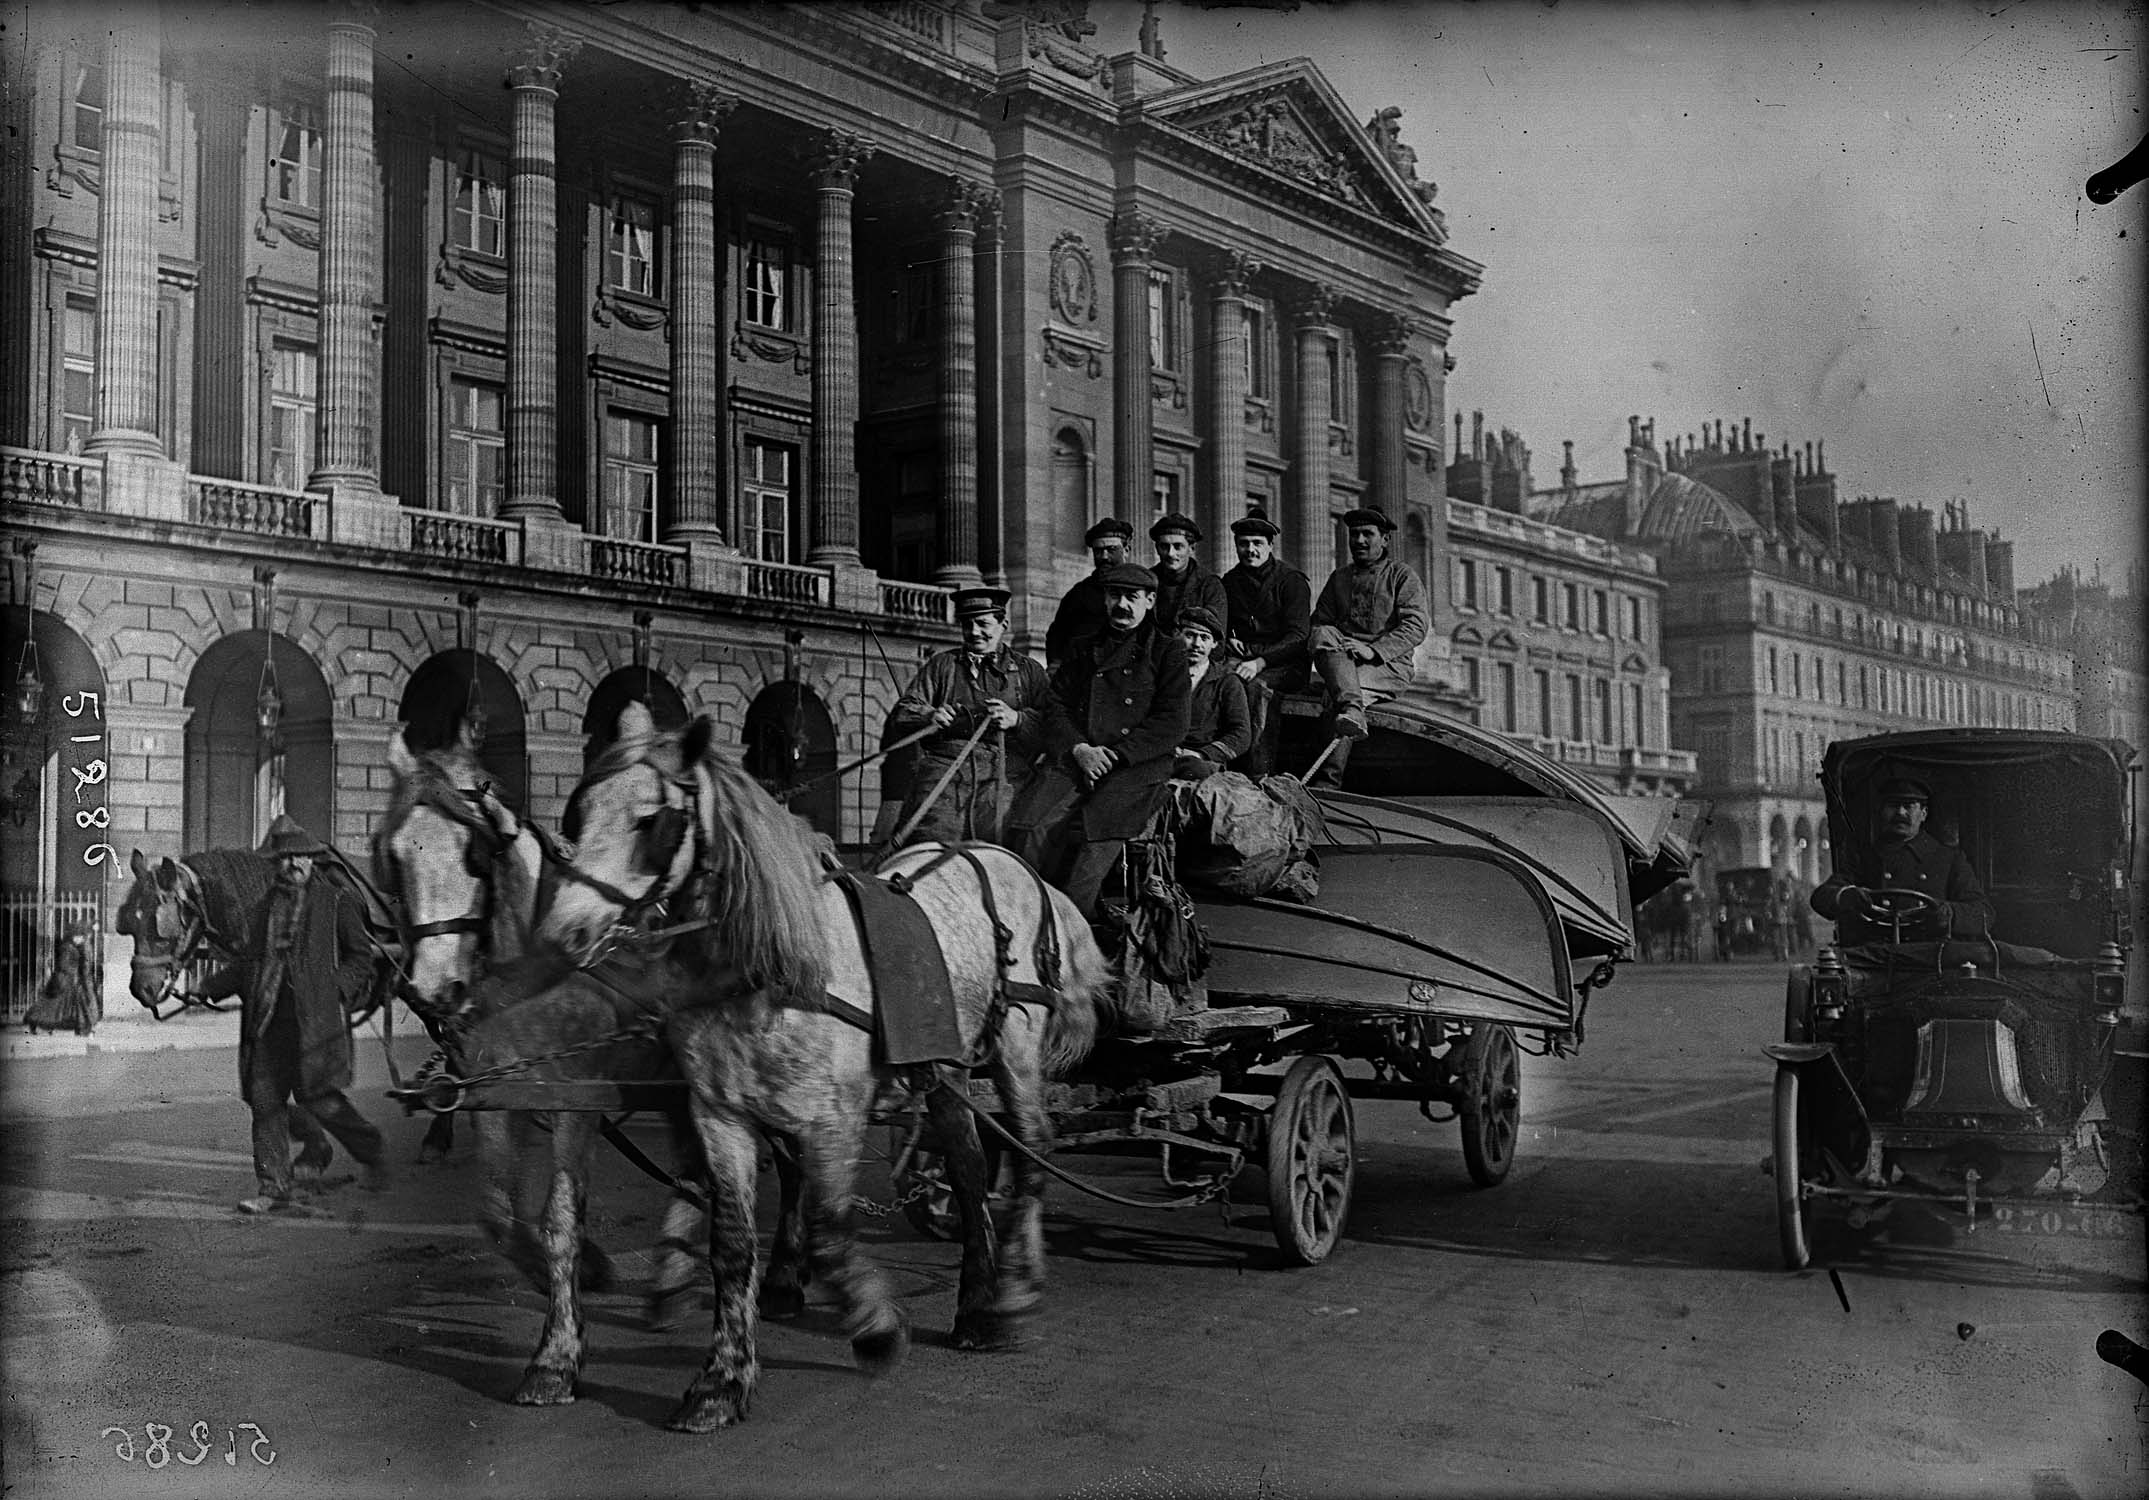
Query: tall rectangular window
[
  {"x": 1541, "y": 600},
  {"x": 1163, "y": 332},
  {"x": 1634, "y": 619},
  {"x": 78, "y": 375},
  {"x": 1473, "y": 684},
  {"x": 477, "y": 448},
  {"x": 1798, "y": 674},
  {"x": 1636, "y": 729},
  {"x": 1504, "y": 676},
  {"x": 1576, "y": 728},
  {"x": 295, "y": 165},
  {"x": 765, "y": 494},
  {"x": 1544, "y": 701},
  {"x": 1571, "y": 607},
  {"x": 1601, "y": 612},
  {"x": 1164, "y": 491},
  {"x": 1773, "y": 681},
  {"x": 1712, "y": 669},
  {"x": 630, "y": 476},
  {"x": 1253, "y": 328},
  {"x": 478, "y": 221},
  {"x": 293, "y": 380},
  {"x": 1503, "y": 580},
  {"x": 1465, "y": 583},
  {"x": 1333, "y": 360},
  {"x": 630, "y": 246},
  {"x": 767, "y": 285},
  {"x": 1604, "y": 712},
  {"x": 86, "y": 122}
]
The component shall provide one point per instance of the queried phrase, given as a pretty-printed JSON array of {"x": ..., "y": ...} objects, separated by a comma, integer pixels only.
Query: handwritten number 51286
[{"x": 157, "y": 1448}]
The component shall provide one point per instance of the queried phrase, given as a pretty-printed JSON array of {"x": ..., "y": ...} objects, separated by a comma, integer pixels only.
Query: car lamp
[
  {"x": 2110, "y": 983},
  {"x": 1829, "y": 980}
]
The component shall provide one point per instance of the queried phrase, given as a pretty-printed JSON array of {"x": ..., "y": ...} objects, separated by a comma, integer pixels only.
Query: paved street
[{"x": 1611, "y": 1320}]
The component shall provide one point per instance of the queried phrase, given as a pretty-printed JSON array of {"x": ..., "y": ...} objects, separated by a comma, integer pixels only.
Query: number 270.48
[{"x": 157, "y": 1450}]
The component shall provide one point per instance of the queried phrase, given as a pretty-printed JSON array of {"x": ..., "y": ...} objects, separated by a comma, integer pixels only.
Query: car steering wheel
[{"x": 1896, "y": 904}]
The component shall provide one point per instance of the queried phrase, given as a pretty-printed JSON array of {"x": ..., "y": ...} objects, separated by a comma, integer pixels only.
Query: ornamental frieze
[
  {"x": 1271, "y": 134},
  {"x": 1071, "y": 351},
  {"x": 772, "y": 348},
  {"x": 1074, "y": 280}
]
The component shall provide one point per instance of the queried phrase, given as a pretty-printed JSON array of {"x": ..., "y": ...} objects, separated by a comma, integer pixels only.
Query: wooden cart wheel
[
  {"x": 1790, "y": 1184},
  {"x": 1491, "y": 1107},
  {"x": 1312, "y": 1159}
]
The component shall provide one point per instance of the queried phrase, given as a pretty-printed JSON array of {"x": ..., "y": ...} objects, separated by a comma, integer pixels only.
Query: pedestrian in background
[{"x": 68, "y": 1002}]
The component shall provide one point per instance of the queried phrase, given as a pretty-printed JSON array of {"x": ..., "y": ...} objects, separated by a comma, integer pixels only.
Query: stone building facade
[
  {"x": 2104, "y": 627},
  {"x": 1793, "y": 618},
  {"x": 513, "y": 361}
]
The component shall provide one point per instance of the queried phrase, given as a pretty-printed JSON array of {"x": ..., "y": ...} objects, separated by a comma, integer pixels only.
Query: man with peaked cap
[
  {"x": 1081, "y": 612},
  {"x": 1182, "y": 582},
  {"x": 1903, "y": 856},
  {"x": 1271, "y": 621},
  {"x": 981, "y": 681},
  {"x": 1369, "y": 619},
  {"x": 306, "y": 964},
  {"x": 1123, "y": 698},
  {"x": 1217, "y": 726}
]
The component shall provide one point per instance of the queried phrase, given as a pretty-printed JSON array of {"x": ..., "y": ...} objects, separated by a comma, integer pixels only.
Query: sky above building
[{"x": 1860, "y": 224}]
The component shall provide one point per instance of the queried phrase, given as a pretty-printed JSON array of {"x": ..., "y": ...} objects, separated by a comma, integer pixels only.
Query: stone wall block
[{"x": 145, "y": 591}]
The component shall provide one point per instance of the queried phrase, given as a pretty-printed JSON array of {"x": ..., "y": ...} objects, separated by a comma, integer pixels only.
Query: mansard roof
[{"x": 1285, "y": 118}]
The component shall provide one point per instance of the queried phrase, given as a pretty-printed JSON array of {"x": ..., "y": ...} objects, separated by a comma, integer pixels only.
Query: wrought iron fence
[{"x": 30, "y": 928}]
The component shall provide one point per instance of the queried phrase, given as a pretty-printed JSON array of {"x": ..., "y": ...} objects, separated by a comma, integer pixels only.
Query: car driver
[{"x": 1905, "y": 858}]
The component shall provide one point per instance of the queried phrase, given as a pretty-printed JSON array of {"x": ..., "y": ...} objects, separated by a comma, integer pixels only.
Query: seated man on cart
[
  {"x": 1219, "y": 727},
  {"x": 1905, "y": 858}
]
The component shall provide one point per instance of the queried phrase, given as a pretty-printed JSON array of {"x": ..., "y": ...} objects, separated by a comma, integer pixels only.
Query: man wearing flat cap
[
  {"x": 1367, "y": 622},
  {"x": 1081, "y": 612},
  {"x": 1123, "y": 697},
  {"x": 979, "y": 682},
  {"x": 1271, "y": 621},
  {"x": 1904, "y": 857},
  {"x": 1217, "y": 726},
  {"x": 306, "y": 964},
  {"x": 1182, "y": 582}
]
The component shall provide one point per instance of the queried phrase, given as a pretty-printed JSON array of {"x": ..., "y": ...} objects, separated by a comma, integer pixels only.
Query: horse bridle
[
  {"x": 183, "y": 952},
  {"x": 467, "y": 813},
  {"x": 669, "y": 828}
]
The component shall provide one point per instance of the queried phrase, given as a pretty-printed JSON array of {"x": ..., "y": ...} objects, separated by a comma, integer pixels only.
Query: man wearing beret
[
  {"x": 1081, "y": 613},
  {"x": 979, "y": 682},
  {"x": 1182, "y": 582},
  {"x": 1904, "y": 857},
  {"x": 1123, "y": 697},
  {"x": 1271, "y": 622},
  {"x": 1218, "y": 728},
  {"x": 1367, "y": 622}
]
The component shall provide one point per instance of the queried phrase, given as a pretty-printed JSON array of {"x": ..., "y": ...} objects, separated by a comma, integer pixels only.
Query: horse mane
[
  {"x": 235, "y": 883},
  {"x": 762, "y": 896}
]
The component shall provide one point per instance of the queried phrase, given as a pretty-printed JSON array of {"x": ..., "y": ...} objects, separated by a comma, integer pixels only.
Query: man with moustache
[
  {"x": 1081, "y": 612},
  {"x": 1905, "y": 857},
  {"x": 1218, "y": 728},
  {"x": 1123, "y": 696},
  {"x": 1271, "y": 608},
  {"x": 980, "y": 681},
  {"x": 1182, "y": 582},
  {"x": 1369, "y": 619}
]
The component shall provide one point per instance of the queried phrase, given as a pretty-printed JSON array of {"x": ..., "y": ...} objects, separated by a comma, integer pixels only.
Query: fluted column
[
  {"x": 833, "y": 164},
  {"x": 697, "y": 437},
  {"x": 1227, "y": 392},
  {"x": 126, "y": 418},
  {"x": 1391, "y": 349},
  {"x": 1134, "y": 241},
  {"x": 992, "y": 451},
  {"x": 1305, "y": 527},
  {"x": 958, "y": 518},
  {"x": 347, "y": 413},
  {"x": 533, "y": 377}
]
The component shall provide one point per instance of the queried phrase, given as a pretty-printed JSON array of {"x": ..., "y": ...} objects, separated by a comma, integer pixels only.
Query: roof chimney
[
  {"x": 1920, "y": 547},
  {"x": 1885, "y": 531},
  {"x": 2000, "y": 568},
  {"x": 1783, "y": 496}
]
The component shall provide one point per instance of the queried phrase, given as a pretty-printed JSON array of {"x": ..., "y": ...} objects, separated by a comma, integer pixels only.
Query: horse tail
[{"x": 1088, "y": 1003}]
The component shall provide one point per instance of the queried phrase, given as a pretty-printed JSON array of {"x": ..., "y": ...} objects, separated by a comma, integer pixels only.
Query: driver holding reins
[{"x": 1905, "y": 858}]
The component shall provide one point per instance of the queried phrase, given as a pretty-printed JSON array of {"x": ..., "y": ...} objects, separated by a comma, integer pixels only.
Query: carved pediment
[{"x": 1275, "y": 135}]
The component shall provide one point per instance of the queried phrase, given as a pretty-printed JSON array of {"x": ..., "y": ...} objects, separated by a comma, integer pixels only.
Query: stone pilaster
[
  {"x": 347, "y": 415},
  {"x": 1391, "y": 334},
  {"x": 1226, "y": 498},
  {"x": 1305, "y": 523},
  {"x": 833, "y": 163},
  {"x": 697, "y": 436},
  {"x": 958, "y": 518},
  {"x": 992, "y": 453},
  {"x": 126, "y": 413},
  {"x": 1134, "y": 239},
  {"x": 533, "y": 393}
]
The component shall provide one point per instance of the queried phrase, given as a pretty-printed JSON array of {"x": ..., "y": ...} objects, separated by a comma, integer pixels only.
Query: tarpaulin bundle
[{"x": 1237, "y": 838}]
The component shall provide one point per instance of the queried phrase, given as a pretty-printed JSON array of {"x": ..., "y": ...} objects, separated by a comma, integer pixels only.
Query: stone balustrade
[
  {"x": 28, "y": 477},
  {"x": 618, "y": 561},
  {"x": 788, "y": 583},
  {"x": 257, "y": 509},
  {"x": 917, "y": 601},
  {"x": 432, "y": 533}
]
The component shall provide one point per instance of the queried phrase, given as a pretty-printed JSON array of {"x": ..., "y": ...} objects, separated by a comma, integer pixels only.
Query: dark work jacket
[
  {"x": 1922, "y": 863},
  {"x": 1080, "y": 616},
  {"x": 1128, "y": 694},
  {"x": 1218, "y": 724},
  {"x": 972, "y": 804},
  {"x": 1271, "y": 613},
  {"x": 328, "y": 968},
  {"x": 1196, "y": 586}
]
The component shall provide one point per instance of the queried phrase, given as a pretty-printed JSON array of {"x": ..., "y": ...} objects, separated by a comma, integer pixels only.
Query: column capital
[
  {"x": 1135, "y": 237},
  {"x": 1391, "y": 333},
  {"x": 1233, "y": 271},
  {"x": 703, "y": 108},
  {"x": 361, "y": 13},
  {"x": 549, "y": 49},
  {"x": 965, "y": 202},
  {"x": 833, "y": 157},
  {"x": 1315, "y": 307}
]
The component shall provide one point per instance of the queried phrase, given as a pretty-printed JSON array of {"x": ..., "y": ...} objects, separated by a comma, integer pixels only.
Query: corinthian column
[
  {"x": 1227, "y": 390},
  {"x": 833, "y": 164},
  {"x": 992, "y": 453},
  {"x": 347, "y": 418},
  {"x": 1306, "y": 524},
  {"x": 533, "y": 277},
  {"x": 697, "y": 437},
  {"x": 1391, "y": 347},
  {"x": 1134, "y": 242},
  {"x": 958, "y": 520},
  {"x": 126, "y": 414}
]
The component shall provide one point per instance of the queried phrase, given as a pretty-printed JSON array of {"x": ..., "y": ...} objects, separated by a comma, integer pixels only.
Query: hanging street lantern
[
  {"x": 29, "y": 681},
  {"x": 268, "y": 693}
]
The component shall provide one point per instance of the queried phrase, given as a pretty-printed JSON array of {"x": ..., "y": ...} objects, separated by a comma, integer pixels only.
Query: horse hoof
[
  {"x": 666, "y": 1309},
  {"x": 782, "y": 1301},
  {"x": 546, "y": 1387},
  {"x": 596, "y": 1274},
  {"x": 879, "y": 1352},
  {"x": 705, "y": 1411}
]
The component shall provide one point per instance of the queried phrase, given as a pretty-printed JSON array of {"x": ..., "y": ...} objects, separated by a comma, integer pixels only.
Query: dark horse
[{"x": 757, "y": 997}]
